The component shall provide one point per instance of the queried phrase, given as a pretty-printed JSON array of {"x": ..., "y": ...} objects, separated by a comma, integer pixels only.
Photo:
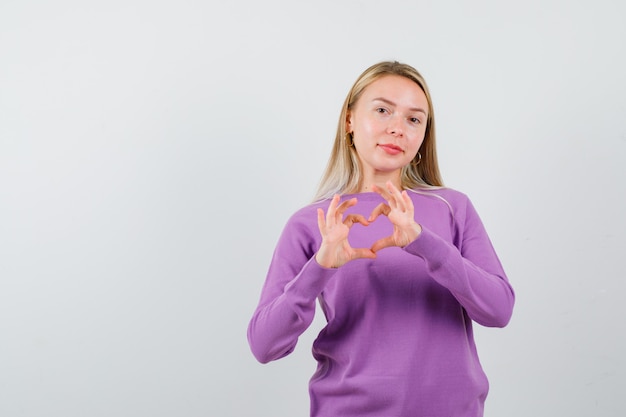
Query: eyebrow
[{"x": 391, "y": 103}]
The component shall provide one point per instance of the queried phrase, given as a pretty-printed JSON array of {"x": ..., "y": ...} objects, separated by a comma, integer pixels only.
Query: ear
[{"x": 349, "y": 128}]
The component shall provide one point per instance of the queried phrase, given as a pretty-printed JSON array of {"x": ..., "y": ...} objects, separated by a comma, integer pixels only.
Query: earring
[
  {"x": 419, "y": 159},
  {"x": 349, "y": 139}
]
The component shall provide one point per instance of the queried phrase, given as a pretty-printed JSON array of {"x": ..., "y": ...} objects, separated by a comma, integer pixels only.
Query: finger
[
  {"x": 355, "y": 218},
  {"x": 407, "y": 201},
  {"x": 341, "y": 209},
  {"x": 383, "y": 193},
  {"x": 332, "y": 210},
  {"x": 392, "y": 188},
  {"x": 389, "y": 197},
  {"x": 385, "y": 242},
  {"x": 382, "y": 208},
  {"x": 321, "y": 221},
  {"x": 396, "y": 196},
  {"x": 363, "y": 253}
]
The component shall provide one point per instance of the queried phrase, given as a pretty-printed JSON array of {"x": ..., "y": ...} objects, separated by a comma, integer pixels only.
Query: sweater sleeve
[
  {"x": 469, "y": 269},
  {"x": 287, "y": 304}
]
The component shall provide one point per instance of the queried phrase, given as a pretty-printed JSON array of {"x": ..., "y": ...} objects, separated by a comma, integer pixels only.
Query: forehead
[{"x": 397, "y": 89}]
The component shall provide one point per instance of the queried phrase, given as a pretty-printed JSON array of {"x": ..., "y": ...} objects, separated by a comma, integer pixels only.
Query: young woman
[{"x": 401, "y": 267}]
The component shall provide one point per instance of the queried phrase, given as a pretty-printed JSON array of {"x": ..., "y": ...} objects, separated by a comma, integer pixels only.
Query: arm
[
  {"x": 296, "y": 277},
  {"x": 470, "y": 269},
  {"x": 293, "y": 283},
  {"x": 287, "y": 305}
]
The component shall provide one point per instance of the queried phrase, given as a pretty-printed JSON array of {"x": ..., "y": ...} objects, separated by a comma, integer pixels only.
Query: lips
[{"x": 390, "y": 148}]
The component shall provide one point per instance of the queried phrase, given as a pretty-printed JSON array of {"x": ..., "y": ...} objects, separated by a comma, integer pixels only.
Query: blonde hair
[{"x": 343, "y": 171}]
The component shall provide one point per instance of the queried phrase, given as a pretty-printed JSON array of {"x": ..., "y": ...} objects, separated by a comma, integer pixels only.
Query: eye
[
  {"x": 381, "y": 110},
  {"x": 415, "y": 120}
]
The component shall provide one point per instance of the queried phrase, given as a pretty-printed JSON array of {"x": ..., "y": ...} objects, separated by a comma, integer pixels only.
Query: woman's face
[{"x": 388, "y": 124}]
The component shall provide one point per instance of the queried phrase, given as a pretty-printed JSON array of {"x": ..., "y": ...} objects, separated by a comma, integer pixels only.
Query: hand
[
  {"x": 401, "y": 213},
  {"x": 335, "y": 249}
]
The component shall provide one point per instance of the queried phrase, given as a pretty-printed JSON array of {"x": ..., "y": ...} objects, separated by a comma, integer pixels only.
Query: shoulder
[
  {"x": 301, "y": 232},
  {"x": 456, "y": 201},
  {"x": 308, "y": 213},
  {"x": 445, "y": 192},
  {"x": 304, "y": 220},
  {"x": 464, "y": 218}
]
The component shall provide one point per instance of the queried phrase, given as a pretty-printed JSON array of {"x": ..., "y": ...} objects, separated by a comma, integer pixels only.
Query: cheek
[
  {"x": 418, "y": 138},
  {"x": 367, "y": 127}
]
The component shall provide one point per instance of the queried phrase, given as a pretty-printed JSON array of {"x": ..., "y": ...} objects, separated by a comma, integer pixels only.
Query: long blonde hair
[{"x": 343, "y": 171}]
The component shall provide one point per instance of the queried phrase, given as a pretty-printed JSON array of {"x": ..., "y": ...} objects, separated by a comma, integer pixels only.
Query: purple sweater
[{"x": 398, "y": 340}]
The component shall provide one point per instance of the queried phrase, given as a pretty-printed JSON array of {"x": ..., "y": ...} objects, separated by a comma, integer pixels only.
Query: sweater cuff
[{"x": 429, "y": 246}]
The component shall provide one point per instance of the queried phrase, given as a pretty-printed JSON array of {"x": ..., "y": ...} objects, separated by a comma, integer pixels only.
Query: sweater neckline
[{"x": 367, "y": 196}]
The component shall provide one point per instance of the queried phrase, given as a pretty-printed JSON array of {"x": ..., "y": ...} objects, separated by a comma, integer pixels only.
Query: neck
[{"x": 380, "y": 180}]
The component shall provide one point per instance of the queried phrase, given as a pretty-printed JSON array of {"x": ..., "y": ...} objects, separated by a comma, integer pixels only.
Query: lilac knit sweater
[{"x": 398, "y": 340}]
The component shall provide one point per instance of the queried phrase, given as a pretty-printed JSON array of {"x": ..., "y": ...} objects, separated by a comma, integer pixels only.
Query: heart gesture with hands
[
  {"x": 400, "y": 211},
  {"x": 335, "y": 249}
]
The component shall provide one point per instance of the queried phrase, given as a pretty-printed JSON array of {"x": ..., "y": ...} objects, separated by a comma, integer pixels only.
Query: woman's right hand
[{"x": 335, "y": 249}]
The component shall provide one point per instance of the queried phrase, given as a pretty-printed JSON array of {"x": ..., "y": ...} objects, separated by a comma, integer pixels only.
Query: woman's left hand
[{"x": 399, "y": 209}]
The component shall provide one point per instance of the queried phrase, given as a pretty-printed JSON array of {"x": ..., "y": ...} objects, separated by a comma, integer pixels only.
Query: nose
[{"x": 395, "y": 126}]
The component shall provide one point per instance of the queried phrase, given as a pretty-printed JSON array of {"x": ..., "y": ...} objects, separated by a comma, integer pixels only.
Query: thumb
[
  {"x": 364, "y": 253},
  {"x": 382, "y": 208},
  {"x": 383, "y": 243}
]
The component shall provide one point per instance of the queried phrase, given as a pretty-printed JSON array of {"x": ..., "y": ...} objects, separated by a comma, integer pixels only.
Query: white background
[{"x": 151, "y": 152}]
